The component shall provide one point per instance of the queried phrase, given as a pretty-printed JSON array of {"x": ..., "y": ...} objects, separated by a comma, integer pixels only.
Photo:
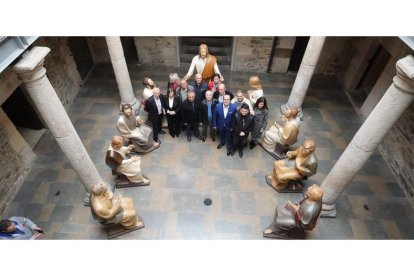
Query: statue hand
[
  {"x": 289, "y": 154},
  {"x": 131, "y": 147}
]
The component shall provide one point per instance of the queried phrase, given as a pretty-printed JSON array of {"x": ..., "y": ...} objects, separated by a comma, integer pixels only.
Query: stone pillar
[
  {"x": 303, "y": 78},
  {"x": 121, "y": 71},
  {"x": 31, "y": 72},
  {"x": 392, "y": 105}
]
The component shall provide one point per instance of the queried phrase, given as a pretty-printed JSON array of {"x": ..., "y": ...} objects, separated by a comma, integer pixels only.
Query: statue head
[
  {"x": 314, "y": 192},
  {"x": 308, "y": 147},
  {"x": 292, "y": 113},
  {"x": 147, "y": 82},
  {"x": 100, "y": 189},
  {"x": 254, "y": 82},
  {"x": 117, "y": 142},
  {"x": 126, "y": 110},
  {"x": 203, "y": 50}
]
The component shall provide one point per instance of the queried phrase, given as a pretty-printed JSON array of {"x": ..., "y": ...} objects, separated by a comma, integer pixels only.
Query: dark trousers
[
  {"x": 173, "y": 124},
  {"x": 239, "y": 142},
  {"x": 192, "y": 129},
  {"x": 156, "y": 126},
  {"x": 226, "y": 137},
  {"x": 212, "y": 131}
]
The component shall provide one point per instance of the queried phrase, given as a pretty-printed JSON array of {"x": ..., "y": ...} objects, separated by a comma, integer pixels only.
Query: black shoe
[
  {"x": 189, "y": 138},
  {"x": 213, "y": 139},
  {"x": 162, "y": 132},
  {"x": 172, "y": 135},
  {"x": 233, "y": 151},
  {"x": 177, "y": 135},
  {"x": 252, "y": 145},
  {"x": 200, "y": 138},
  {"x": 158, "y": 141},
  {"x": 240, "y": 153},
  {"x": 228, "y": 152},
  {"x": 203, "y": 139},
  {"x": 220, "y": 146}
]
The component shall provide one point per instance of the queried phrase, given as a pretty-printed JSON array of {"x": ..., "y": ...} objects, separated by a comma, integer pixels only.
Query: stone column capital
[
  {"x": 30, "y": 67},
  {"x": 404, "y": 79}
]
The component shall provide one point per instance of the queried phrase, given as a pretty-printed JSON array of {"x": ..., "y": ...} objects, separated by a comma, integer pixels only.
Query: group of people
[{"x": 207, "y": 103}]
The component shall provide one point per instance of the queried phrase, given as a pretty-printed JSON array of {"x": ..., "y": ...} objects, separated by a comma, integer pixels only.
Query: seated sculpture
[
  {"x": 132, "y": 128},
  {"x": 298, "y": 165},
  {"x": 277, "y": 139},
  {"x": 296, "y": 217},
  {"x": 112, "y": 212},
  {"x": 117, "y": 160}
]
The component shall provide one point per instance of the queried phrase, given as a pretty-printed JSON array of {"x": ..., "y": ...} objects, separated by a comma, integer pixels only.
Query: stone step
[
  {"x": 220, "y": 59},
  {"x": 217, "y": 51},
  {"x": 210, "y": 41}
]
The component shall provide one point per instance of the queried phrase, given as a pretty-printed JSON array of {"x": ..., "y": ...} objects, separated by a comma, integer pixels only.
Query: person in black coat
[
  {"x": 200, "y": 87},
  {"x": 218, "y": 95},
  {"x": 190, "y": 110},
  {"x": 206, "y": 117},
  {"x": 172, "y": 107},
  {"x": 155, "y": 112},
  {"x": 242, "y": 124}
]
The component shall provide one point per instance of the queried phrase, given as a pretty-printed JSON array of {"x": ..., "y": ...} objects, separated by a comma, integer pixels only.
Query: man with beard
[
  {"x": 205, "y": 64},
  {"x": 131, "y": 127},
  {"x": 190, "y": 110},
  {"x": 242, "y": 124}
]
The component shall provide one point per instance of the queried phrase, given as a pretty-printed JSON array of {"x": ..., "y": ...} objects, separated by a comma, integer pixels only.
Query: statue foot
[{"x": 267, "y": 231}]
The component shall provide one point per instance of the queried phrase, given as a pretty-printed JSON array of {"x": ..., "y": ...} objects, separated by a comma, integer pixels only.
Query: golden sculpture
[
  {"x": 299, "y": 164},
  {"x": 296, "y": 217},
  {"x": 257, "y": 90},
  {"x": 111, "y": 211},
  {"x": 277, "y": 139},
  {"x": 117, "y": 160}
]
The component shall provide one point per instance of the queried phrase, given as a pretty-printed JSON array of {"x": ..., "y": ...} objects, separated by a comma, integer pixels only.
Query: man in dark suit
[
  {"x": 155, "y": 112},
  {"x": 222, "y": 118},
  {"x": 200, "y": 87},
  {"x": 219, "y": 95},
  {"x": 242, "y": 124},
  {"x": 206, "y": 115},
  {"x": 190, "y": 110}
]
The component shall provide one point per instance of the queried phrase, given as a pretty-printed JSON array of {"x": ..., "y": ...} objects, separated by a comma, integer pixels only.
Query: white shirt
[
  {"x": 170, "y": 102},
  {"x": 158, "y": 102},
  {"x": 225, "y": 110},
  {"x": 199, "y": 63},
  {"x": 220, "y": 98}
]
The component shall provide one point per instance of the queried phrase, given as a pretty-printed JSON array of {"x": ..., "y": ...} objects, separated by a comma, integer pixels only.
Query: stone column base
[
  {"x": 328, "y": 210},
  {"x": 284, "y": 108}
]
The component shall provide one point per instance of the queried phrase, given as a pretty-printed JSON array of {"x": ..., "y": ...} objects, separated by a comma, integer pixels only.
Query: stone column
[
  {"x": 392, "y": 105},
  {"x": 121, "y": 71},
  {"x": 31, "y": 72},
  {"x": 303, "y": 78}
]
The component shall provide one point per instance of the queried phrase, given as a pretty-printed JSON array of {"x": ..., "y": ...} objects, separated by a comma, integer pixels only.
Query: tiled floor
[{"x": 184, "y": 174}]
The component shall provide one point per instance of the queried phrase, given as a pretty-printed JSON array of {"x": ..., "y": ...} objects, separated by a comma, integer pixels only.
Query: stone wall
[
  {"x": 10, "y": 170},
  {"x": 252, "y": 53},
  {"x": 398, "y": 151},
  {"x": 98, "y": 49},
  {"x": 397, "y": 146},
  {"x": 16, "y": 156},
  {"x": 335, "y": 57},
  {"x": 157, "y": 50},
  {"x": 61, "y": 68}
]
